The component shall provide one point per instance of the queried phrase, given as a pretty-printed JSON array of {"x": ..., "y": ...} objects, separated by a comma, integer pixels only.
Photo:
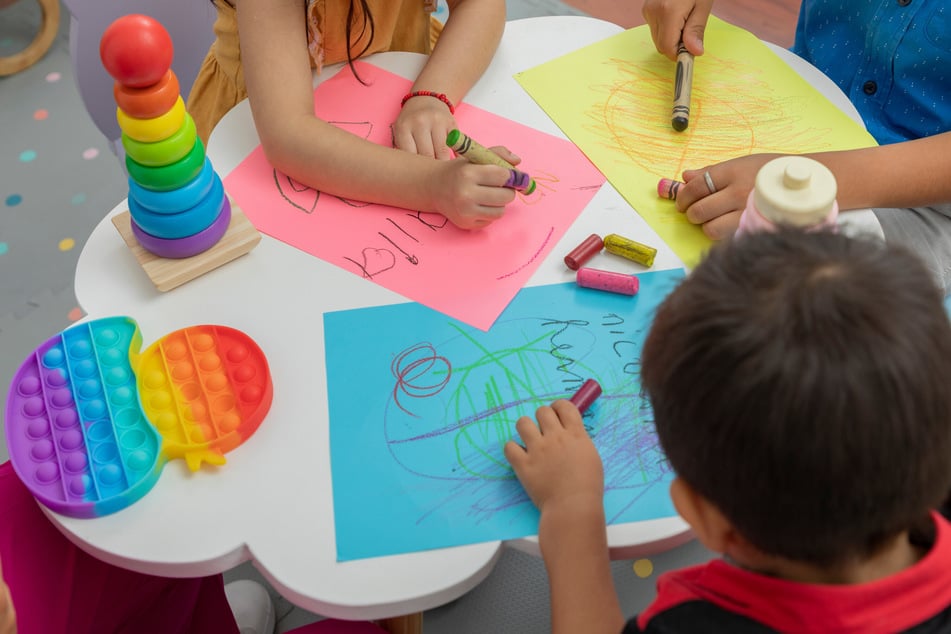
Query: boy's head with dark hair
[{"x": 801, "y": 384}]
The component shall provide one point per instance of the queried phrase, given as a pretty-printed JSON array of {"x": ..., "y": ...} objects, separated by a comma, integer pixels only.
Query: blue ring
[
  {"x": 184, "y": 223},
  {"x": 175, "y": 200}
]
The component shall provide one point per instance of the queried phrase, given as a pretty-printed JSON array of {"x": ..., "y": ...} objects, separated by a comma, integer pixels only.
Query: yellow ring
[
  {"x": 155, "y": 129},
  {"x": 165, "y": 151}
]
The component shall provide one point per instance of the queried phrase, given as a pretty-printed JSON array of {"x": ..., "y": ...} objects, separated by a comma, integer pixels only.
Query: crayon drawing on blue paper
[{"x": 421, "y": 406}]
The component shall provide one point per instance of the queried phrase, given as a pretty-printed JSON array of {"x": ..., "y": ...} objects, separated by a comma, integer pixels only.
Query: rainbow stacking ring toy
[
  {"x": 91, "y": 421},
  {"x": 174, "y": 192}
]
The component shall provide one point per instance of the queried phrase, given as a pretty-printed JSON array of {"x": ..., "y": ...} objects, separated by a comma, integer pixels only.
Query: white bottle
[{"x": 791, "y": 190}]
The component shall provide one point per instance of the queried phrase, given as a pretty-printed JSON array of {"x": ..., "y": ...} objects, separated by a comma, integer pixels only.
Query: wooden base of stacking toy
[{"x": 168, "y": 273}]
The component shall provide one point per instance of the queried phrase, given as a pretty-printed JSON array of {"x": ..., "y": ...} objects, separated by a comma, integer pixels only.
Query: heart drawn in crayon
[
  {"x": 375, "y": 261},
  {"x": 299, "y": 196}
]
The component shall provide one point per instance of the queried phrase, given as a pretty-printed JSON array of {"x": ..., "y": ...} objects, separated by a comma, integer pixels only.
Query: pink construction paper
[{"x": 468, "y": 275}]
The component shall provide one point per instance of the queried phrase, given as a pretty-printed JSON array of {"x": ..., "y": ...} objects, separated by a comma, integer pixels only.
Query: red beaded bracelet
[{"x": 429, "y": 93}]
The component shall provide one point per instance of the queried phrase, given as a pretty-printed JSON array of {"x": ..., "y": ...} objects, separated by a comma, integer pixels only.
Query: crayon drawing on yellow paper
[{"x": 613, "y": 99}]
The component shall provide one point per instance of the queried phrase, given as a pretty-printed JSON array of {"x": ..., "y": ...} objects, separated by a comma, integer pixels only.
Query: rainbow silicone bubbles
[{"x": 90, "y": 422}]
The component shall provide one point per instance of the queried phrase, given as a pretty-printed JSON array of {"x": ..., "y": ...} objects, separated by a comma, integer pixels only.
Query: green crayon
[{"x": 463, "y": 145}]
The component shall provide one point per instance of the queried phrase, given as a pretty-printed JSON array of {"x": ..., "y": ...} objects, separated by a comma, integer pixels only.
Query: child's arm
[
  {"x": 562, "y": 473},
  {"x": 908, "y": 174},
  {"x": 277, "y": 73},
  {"x": 671, "y": 21},
  {"x": 462, "y": 53}
]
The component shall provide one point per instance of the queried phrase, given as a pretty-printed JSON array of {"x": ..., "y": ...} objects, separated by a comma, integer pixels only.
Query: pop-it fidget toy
[{"x": 91, "y": 421}]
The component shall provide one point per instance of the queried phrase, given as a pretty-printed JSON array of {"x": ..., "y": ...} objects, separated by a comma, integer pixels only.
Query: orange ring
[{"x": 148, "y": 102}]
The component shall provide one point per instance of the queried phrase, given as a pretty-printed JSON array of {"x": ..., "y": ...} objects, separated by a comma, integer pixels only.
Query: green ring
[
  {"x": 165, "y": 151},
  {"x": 168, "y": 177}
]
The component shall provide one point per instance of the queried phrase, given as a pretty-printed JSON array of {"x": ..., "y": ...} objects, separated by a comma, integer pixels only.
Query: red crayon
[
  {"x": 586, "y": 395},
  {"x": 591, "y": 246}
]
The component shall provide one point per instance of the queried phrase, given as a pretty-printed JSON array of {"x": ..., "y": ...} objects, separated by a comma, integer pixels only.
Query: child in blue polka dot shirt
[{"x": 893, "y": 60}]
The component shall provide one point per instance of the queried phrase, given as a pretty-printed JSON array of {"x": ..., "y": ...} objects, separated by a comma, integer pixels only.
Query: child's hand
[
  {"x": 558, "y": 464},
  {"x": 673, "y": 20},
  {"x": 719, "y": 212},
  {"x": 471, "y": 196},
  {"x": 8, "y": 616},
  {"x": 422, "y": 126}
]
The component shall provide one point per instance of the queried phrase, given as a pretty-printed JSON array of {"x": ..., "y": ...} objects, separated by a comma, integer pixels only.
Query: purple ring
[{"x": 189, "y": 245}]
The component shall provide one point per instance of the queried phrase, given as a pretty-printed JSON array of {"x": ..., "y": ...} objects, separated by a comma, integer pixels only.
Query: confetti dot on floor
[
  {"x": 3, "y": 248},
  {"x": 41, "y": 114},
  {"x": 643, "y": 568},
  {"x": 78, "y": 199},
  {"x": 66, "y": 244},
  {"x": 90, "y": 154},
  {"x": 13, "y": 200},
  {"x": 75, "y": 313},
  {"x": 27, "y": 155},
  {"x": 51, "y": 77}
]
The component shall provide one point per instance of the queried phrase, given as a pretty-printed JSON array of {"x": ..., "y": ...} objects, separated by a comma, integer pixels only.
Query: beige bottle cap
[{"x": 794, "y": 190}]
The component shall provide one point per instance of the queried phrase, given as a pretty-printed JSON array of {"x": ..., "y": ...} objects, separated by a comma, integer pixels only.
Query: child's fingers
[
  {"x": 722, "y": 226},
  {"x": 493, "y": 179},
  {"x": 506, "y": 154},
  {"x": 424, "y": 145},
  {"x": 515, "y": 454},
  {"x": 548, "y": 421},
  {"x": 403, "y": 140},
  {"x": 665, "y": 31},
  {"x": 694, "y": 189},
  {"x": 442, "y": 151},
  {"x": 695, "y": 26},
  {"x": 569, "y": 416},
  {"x": 528, "y": 431}
]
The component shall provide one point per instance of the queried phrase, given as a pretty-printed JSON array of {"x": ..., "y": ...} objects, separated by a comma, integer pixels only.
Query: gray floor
[{"x": 57, "y": 180}]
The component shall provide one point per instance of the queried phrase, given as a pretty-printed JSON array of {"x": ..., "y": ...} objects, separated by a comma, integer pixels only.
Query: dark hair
[
  {"x": 368, "y": 26},
  {"x": 800, "y": 383}
]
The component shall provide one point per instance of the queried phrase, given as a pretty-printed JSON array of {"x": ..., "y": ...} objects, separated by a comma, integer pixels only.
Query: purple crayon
[
  {"x": 668, "y": 188},
  {"x": 520, "y": 181},
  {"x": 586, "y": 395}
]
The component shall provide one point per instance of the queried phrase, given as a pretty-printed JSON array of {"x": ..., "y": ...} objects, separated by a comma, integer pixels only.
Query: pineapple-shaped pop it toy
[{"x": 91, "y": 420}]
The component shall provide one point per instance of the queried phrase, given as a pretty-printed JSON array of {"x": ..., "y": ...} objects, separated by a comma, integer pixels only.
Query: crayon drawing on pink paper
[{"x": 468, "y": 275}]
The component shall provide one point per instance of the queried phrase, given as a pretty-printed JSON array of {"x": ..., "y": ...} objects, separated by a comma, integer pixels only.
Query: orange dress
[{"x": 399, "y": 25}]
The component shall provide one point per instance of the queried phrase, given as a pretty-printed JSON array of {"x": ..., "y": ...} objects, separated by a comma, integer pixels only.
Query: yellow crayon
[
  {"x": 627, "y": 248},
  {"x": 463, "y": 145}
]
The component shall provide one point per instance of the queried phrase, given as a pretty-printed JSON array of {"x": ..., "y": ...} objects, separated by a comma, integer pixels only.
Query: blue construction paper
[{"x": 421, "y": 406}]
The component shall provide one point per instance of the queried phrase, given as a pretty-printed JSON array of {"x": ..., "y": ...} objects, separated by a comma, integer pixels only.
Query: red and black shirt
[{"x": 720, "y": 597}]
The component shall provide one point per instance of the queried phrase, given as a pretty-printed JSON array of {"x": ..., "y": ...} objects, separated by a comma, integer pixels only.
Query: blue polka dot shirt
[{"x": 891, "y": 57}]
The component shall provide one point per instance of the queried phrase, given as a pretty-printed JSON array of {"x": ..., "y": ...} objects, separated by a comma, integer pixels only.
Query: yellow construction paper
[{"x": 613, "y": 99}]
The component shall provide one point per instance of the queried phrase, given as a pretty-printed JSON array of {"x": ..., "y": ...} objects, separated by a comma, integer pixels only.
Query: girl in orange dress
[{"x": 267, "y": 51}]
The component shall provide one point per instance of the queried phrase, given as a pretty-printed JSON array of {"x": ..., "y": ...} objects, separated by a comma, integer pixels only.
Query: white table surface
[{"x": 272, "y": 502}]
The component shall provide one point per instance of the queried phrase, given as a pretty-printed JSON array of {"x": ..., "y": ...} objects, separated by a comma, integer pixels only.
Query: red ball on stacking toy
[{"x": 136, "y": 50}]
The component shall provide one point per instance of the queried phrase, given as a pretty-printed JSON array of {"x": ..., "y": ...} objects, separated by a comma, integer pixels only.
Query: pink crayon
[
  {"x": 668, "y": 188},
  {"x": 607, "y": 281},
  {"x": 586, "y": 395}
]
